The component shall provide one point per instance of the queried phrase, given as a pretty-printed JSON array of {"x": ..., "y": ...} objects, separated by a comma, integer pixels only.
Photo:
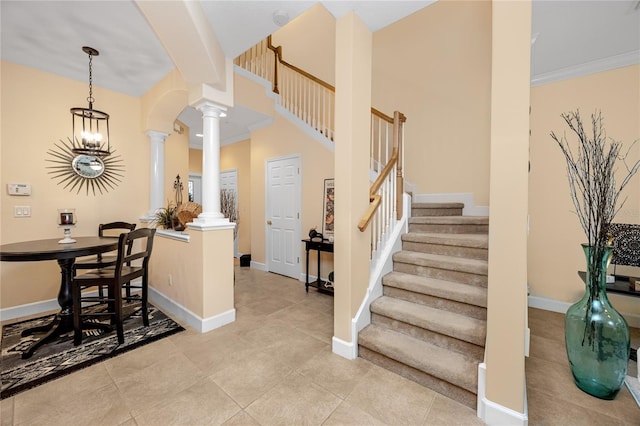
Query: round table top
[{"x": 51, "y": 249}]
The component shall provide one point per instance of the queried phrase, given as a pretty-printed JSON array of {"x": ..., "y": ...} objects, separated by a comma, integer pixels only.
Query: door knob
[{"x": 268, "y": 222}]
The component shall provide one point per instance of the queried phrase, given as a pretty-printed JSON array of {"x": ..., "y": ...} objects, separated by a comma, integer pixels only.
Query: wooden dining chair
[
  {"x": 133, "y": 247},
  {"x": 103, "y": 260}
]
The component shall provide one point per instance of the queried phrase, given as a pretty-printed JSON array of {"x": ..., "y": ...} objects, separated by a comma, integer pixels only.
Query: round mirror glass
[{"x": 88, "y": 166}]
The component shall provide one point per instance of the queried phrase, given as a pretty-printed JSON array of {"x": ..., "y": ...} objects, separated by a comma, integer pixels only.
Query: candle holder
[{"x": 67, "y": 220}]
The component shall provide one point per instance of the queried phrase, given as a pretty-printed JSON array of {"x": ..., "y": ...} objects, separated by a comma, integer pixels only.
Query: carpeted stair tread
[
  {"x": 473, "y": 266},
  {"x": 450, "y": 220},
  {"x": 459, "y": 292},
  {"x": 446, "y": 365},
  {"x": 437, "y": 205},
  {"x": 443, "y": 322},
  {"x": 462, "y": 240}
]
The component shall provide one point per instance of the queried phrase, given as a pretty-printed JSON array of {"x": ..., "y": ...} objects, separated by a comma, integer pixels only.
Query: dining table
[{"x": 65, "y": 255}]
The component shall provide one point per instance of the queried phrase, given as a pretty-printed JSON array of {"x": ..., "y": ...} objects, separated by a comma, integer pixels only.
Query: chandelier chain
[{"x": 90, "y": 98}]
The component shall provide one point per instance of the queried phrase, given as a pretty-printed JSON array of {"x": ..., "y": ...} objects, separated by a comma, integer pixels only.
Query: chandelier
[{"x": 90, "y": 126}]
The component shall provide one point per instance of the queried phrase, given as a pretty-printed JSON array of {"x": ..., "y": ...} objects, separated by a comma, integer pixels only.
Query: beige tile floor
[{"x": 274, "y": 366}]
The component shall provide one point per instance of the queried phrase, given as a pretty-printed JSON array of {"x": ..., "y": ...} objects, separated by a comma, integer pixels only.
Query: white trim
[
  {"x": 174, "y": 235},
  {"x": 306, "y": 128},
  {"x": 210, "y": 224},
  {"x": 599, "y": 65},
  {"x": 34, "y": 308},
  {"x": 379, "y": 268},
  {"x": 557, "y": 306},
  {"x": 41, "y": 307},
  {"x": 183, "y": 314},
  {"x": 495, "y": 414},
  {"x": 470, "y": 208},
  {"x": 258, "y": 265},
  {"x": 342, "y": 348}
]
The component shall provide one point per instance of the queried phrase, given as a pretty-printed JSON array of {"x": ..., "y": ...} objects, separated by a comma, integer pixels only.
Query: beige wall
[
  {"x": 176, "y": 162},
  {"x": 26, "y": 136},
  {"x": 195, "y": 161},
  {"x": 238, "y": 156},
  {"x": 435, "y": 67},
  {"x": 280, "y": 139},
  {"x": 308, "y": 42},
  {"x": 555, "y": 233}
]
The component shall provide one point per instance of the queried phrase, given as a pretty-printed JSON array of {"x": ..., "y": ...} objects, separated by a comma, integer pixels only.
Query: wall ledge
[{"x": 174, "y": 235}]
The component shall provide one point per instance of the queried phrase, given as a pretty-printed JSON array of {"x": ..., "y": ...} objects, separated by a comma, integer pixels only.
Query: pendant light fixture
[{"x": 90, "y": 126}]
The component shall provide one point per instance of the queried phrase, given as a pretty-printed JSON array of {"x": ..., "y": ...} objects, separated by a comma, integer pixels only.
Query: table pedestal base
[{"x": 61, "y": 324}]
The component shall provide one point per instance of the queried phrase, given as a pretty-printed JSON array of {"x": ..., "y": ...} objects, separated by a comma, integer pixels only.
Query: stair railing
[
  {"x": 385, "y": 194},
  {"x": 313, "y": 101},
  {"x": 301, "y": 93}
]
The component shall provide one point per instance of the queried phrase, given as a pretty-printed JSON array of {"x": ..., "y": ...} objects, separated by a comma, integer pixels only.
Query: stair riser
[
  {"x": 421, "y": 212},
  {"x": 466, "y": 309},
  {"x": 441, "y": 386},
  {"x": 442, "y": 274},
  {"x": 447, "y": 250},
  {"x": 449, "y": 228},
  {"x": 451, "y": 343}
]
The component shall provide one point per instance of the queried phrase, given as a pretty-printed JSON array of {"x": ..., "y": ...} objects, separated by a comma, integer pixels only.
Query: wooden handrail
[
  {"x": 278, "y": 52},
  {"x": 314, "y": 105},
  {"x": 374, "y": 203},
  {"x": 381, "y": 115},
  {"x": 386, "y": 171},
  {"x": 394, "y": 160}
]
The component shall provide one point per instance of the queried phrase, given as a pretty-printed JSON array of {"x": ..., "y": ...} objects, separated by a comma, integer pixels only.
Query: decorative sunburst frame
[{"x": 65, "y": 159}]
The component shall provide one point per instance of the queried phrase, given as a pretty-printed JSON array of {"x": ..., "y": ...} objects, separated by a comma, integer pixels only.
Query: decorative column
[
  {"x": 156, "y": 190},
  {"x": 211, "y": 212}
]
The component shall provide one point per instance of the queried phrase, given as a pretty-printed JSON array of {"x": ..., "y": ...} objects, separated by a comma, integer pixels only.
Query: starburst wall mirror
[{"x": 84, "y": 171}]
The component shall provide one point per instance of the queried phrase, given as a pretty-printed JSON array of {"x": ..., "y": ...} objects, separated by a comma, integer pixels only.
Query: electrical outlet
[{"x": 170, "y": 280}]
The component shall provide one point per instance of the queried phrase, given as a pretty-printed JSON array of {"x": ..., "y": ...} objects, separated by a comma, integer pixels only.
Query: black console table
[
  {"x": 620, "y": 286},
  {"x": 319, "y": 246}
]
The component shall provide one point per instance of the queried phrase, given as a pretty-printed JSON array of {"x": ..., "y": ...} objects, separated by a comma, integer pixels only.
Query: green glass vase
[{"x": 596, "y": 335}]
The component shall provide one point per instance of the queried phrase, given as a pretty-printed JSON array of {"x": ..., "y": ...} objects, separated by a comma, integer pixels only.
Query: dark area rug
[{"x": 60, "y": 357}]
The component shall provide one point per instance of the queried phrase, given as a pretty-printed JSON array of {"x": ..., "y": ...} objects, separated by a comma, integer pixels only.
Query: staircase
[{"x": 430, "y": 323}]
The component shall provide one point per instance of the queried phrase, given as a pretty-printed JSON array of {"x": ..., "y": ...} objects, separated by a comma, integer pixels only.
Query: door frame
[{"x": 297, "y": 231}]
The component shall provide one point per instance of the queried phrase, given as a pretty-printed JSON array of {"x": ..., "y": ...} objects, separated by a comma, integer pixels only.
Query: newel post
[{"x": 398, "y": 143}]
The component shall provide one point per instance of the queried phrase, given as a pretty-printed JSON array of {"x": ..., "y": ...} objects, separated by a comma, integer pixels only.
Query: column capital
[
  {"x": 157, "y": 136},
  {"x": 211, "y": 109}
]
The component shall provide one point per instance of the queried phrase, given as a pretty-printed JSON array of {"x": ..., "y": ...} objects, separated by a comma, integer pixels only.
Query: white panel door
[{"x": 283, "y": 216}]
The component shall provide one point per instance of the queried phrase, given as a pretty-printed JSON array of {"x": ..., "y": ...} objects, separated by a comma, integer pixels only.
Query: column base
[{"x": 211, "y": 222}]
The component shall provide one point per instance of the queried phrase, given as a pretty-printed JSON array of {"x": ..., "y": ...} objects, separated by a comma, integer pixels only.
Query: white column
[
  {"x": 211, "y": 213},
  {"x": 156, "y": 190}
]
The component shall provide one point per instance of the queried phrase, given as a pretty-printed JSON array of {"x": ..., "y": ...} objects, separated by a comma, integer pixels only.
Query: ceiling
[{"x": 48, "y": 35}]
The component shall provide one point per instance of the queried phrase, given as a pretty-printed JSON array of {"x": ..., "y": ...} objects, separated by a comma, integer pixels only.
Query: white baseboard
[
  {"x": 470, "y": 208},
  {"x": 183, "y": 314},
  {"x": 342, "y": 348},
  {"x": 557, "y": 306},
  {"x": 495, "y": 414},
  {"x": 29, "y": 309},
  {"x": 259, "y": 266}
]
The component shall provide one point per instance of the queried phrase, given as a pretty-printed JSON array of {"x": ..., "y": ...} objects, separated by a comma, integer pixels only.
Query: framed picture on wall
[{"x": 328, "y": 209}]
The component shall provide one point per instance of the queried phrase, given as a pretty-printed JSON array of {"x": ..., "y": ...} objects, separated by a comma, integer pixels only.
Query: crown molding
[{"x": 600, "y": 65}]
